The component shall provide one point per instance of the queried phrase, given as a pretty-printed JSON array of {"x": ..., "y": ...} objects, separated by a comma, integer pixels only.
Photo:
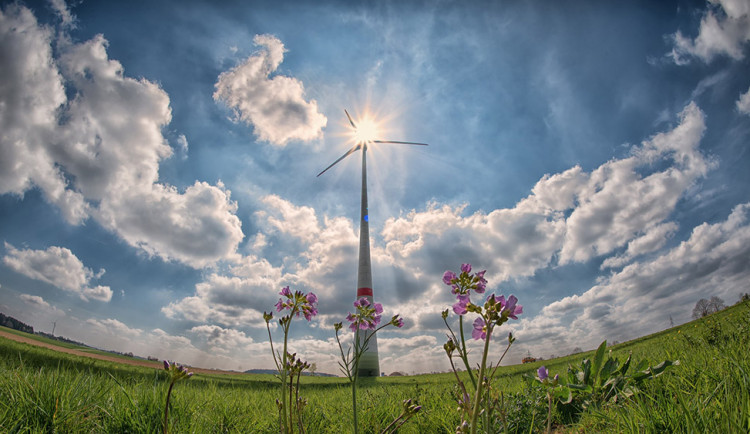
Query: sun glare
[{"x": 367, "y": 130}]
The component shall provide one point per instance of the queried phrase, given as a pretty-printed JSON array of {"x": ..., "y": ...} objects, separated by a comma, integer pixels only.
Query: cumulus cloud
[
  {"x": 197, "y": 227},
  {"x": 220, "y": 339},
  {"x": 724, "y": 30},
  {"x": 274, "y": 106},
  {"x": 97, "y": 153},
  {"x": 239, "y": 298},
  {"x": 32, "y": 91},
  {"x": 60, "y": 268}
]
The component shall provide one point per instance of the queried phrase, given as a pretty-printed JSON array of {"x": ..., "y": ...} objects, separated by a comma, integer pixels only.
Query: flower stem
[
  {"x": 549, "y": 413},
  {"x": 355, "y": 377},
  {"x": 166, "y": 408},
  {"x": 464, "y": 355},
  {"x": 475, "y": 411},
  {"x": 286, "y": 428}
]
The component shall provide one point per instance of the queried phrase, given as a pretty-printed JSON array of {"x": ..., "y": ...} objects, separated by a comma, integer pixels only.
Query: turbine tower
[{"x": 369, "y": 364}]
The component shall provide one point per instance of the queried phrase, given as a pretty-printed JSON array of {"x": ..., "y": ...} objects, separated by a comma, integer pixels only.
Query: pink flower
[
  {"x": 286, "y": 292},
  {"x": 512, "y": 308},
  {"x": 542, "y": 373},
  {"x": 397, "y": 321},
  {"x": 460, "y": 307},
  {"x": 466, "y": 268},
  {"x": 480, "y": 329},
  {"x": 448, "y": 277}
]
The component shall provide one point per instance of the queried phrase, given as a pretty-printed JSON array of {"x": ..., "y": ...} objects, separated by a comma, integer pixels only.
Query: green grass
[{"x": 46, "y": 391}]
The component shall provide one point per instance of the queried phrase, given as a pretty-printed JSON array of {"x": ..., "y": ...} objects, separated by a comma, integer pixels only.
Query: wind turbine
[{"x": 369, "y": 364}]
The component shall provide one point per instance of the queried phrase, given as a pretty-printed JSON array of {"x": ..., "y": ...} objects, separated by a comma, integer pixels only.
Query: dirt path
[{"x": 115, "y": 359}]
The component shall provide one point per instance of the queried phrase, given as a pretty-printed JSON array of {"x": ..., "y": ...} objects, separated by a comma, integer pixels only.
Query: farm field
[{"x": 43, "y": 390}]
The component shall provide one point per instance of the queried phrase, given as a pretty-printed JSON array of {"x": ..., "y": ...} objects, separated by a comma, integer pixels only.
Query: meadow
[{"x": 42, "y": 390}]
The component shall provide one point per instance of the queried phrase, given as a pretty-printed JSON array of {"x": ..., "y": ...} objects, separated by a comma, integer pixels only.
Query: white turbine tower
[{"x": 369, "y": 365}]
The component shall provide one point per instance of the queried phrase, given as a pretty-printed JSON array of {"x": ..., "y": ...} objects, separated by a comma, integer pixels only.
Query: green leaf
[
  {"x": 624, "y": 368},
  {"x": 564, "y": 394},
  {"x": 654, "y": 371},
  {"x": 598, "y": 358},
  {"x": 586, "y": 365},
  {"x": 609, "y": 366}
]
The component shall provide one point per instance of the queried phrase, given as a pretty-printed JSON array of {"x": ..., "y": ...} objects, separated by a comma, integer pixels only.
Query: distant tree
[
  {"x": 716, "y": 304},
  {"x": 577, "y": 350},
  {"x": 313, "y": 367},
  {"x": 701, "y": 308},
  {"x": 744, "y": 297},
  {"x": 706, "y": 307}
]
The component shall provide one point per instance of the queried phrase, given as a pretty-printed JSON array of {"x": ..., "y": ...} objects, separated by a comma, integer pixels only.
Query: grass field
[{"x": 43, "y": 390}]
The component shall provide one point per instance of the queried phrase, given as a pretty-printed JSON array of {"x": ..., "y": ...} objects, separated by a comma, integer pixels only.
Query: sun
[{"x": 366, "y": 131}]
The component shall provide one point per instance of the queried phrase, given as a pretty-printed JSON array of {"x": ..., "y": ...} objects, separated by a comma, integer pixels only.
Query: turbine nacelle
[{"x": 362, "y": 139}]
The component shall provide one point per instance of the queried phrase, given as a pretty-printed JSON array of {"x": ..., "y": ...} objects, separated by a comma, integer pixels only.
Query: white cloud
[
  {"x": 219, "y": 339},
  {"x": 32, "y": 92},
  {"x": 743, "y": 104},
  {"x": 98, "y": 154},
  {"x": 59, "y": 267},
  {"x": 618, "y": 203},
  {"x": 38, "y": 304},
  {"x": 275, "y": 106},
  {"x": 114, "y": 327},
  {"x": 651, "y": 241},
  {"x": 724, "y": 29},
  {"x": 197, "y": 227},
  {"x": 183, "y": 145},
  {"x": 296, "y": 221},
  {"x": 238, "y": 299},
  {"x": 63, "y": 12}
]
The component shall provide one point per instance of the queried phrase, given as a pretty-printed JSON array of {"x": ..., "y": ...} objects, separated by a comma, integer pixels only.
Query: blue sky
[{"x": 158, "y": 162}]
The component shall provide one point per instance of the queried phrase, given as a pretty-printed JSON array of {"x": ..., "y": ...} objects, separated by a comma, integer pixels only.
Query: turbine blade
[
  {"x": 350, "y": 119},
  {"x": 349, "y": 152},
  {"x": 399, "y": 143}
]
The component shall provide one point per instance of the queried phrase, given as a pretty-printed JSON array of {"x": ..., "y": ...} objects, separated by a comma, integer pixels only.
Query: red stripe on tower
[{"x": 361, "y": 292}]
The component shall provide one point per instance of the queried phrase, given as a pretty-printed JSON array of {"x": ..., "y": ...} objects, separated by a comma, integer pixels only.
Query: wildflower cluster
[
  {"x": 288, "y": 365},
  {"x": 462, "y": 285},
  {"x": 494, "y": 312},
  {"x": 367, "y": 317},
  {"x": 298, "y": 303},
  {"x": 176, "y": 373}
]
